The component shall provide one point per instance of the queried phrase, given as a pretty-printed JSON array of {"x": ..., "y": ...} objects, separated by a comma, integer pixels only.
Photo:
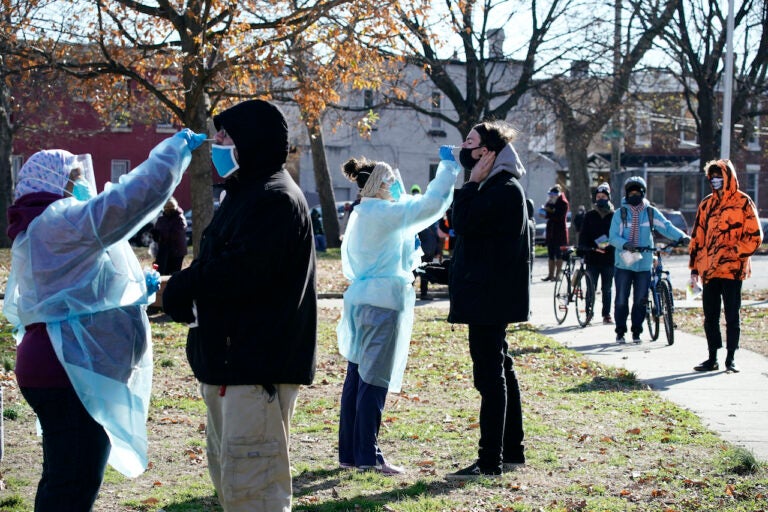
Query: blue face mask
[
  {"x": 224, "y": 159},
  {"x": 717, "y": 183},
  {"x": 82, "y": 190},
  {"x": 396, "y": 189}
]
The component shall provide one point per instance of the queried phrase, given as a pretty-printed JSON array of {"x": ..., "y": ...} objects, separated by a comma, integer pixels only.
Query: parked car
[
  {"x": 339, "y": 208},
  {"x": 678, "y": 220},
  {"x": 764, "y": 225}
]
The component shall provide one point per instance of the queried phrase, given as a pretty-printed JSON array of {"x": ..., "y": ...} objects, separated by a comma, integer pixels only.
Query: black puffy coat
[
  {"x": 490, "y": 268},
  {"x": 254, "y": 286}
]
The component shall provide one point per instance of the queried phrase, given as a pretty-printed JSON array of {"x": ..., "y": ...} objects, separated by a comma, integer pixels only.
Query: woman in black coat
[{"x": 490, "y": 287}]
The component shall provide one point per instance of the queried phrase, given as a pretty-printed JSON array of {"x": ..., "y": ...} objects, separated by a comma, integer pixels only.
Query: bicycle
[
  {"x": 660, "y": 303},
  {"x": 574, "y": 285}
]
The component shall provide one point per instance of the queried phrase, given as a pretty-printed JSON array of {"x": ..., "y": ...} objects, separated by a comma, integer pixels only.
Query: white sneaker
[
  {"x": 620, "y": 339},
  {"x": 385, "y": 469}
]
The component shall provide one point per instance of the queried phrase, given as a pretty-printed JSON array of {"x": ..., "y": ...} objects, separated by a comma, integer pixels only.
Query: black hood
[{"x": 260, "y": 133}]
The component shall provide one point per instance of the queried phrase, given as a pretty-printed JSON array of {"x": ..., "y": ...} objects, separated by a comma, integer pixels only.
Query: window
[
  {"x": 657, "y": 190},
  {"x": 690, "y": 187},
  {"x": 165, "y": 125},
  {"x": 118, "y": 168},
  {"x": 749, "y": 185},
  {"x": 753, "y": 144},
  {"x": 687, "y": 128},
  {"x": 435, "y": 103},
  {"x": 121, "y": 121},
  {"x": 432, "y": 171},
  {"x": 642, "y": 128},
  {"x": 368, "y": 98}
]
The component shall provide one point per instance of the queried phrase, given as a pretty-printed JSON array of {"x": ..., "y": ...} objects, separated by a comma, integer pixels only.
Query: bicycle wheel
[
  {"x": 651, "y": 319},
  {"x": 667, "y": 308},
  {"x": 561, "y": 297},
  {"x": 584, "y": 298}
]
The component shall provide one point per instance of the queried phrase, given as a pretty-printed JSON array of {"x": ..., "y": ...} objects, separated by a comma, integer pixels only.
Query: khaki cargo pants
[{"x": 247, "y": 436}]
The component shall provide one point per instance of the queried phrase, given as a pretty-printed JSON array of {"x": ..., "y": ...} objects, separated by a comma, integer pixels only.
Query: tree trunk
[
  {"x": 6, "y": 149},
  {"x": 323, "y": 183},
  {"x": 708, "y": 131},
  {"x": 576, "y": 153},
  {"x": 201, "y": 184}
]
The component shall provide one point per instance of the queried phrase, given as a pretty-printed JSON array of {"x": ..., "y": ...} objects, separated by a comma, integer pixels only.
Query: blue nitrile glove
[
  {"x": 152, "y": 278},
  {"x": 446, "y": 153},
  {"x": 194, "y": 140}
]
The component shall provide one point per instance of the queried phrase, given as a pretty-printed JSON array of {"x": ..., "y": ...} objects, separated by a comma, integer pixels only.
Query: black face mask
[
  {"x": 635, "y": 200},
  {"x": 465, "y": 157}
]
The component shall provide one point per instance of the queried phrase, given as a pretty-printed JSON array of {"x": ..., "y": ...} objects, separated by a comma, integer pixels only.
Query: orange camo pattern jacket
[{"x": 726, "y": 231}]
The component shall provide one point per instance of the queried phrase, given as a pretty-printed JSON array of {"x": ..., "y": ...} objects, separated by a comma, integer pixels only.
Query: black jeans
[
  {"x": 75, "y": 451},
  {"x": 605, "y": 272},
  {"x": 730, "y": 292},
  {"x": 501, "y": 413}
]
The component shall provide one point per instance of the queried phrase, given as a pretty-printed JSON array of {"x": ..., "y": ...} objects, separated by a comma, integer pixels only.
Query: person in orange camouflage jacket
[{"x": 725, "y": 234}]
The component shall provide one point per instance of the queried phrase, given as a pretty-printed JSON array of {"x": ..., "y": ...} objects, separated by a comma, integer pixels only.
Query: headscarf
[{"x": 45, "y": 171}]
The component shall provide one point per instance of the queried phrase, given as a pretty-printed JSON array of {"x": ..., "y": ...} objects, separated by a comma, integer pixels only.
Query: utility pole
[{"x": 725, "y": 138}]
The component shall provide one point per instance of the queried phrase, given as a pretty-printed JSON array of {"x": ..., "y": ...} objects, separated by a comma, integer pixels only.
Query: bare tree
[
  {"x": 696, "y": 42},
  {"x": 479, "y": 81},
  {"x": 190, "y": 60},
  {"x": 585, "y": 101}
]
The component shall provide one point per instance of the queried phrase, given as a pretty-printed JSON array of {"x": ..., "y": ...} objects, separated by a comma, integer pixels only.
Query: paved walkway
[{"x": 735, "y": 405}]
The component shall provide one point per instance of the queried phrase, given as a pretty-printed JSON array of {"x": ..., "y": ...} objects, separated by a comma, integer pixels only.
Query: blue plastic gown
[
  {"x": 378, "y": 255},
  {"x": 74, "y": 270}
]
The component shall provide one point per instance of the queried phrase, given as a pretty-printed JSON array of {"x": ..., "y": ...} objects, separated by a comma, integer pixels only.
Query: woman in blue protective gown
[
  {"x": 378, "y": 255},
  {"x": 76, "y": 296}
]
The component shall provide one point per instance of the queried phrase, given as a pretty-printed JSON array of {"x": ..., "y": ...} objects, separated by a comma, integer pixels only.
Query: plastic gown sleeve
[
  {"x": 74, "y": 270},
  {"x": 378, "y": 256}
]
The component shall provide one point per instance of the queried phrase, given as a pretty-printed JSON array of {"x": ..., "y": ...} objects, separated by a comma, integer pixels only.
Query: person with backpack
[
  {"x": 631, "y": 230},
  {"x": 726, "y": 233},
  {"x": 593, "y": 243}
]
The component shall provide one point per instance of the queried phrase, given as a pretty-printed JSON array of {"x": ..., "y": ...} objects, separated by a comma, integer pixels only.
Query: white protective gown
[
  {"x": 74, "y": 270},
  {"x": 378, "y": 255}
]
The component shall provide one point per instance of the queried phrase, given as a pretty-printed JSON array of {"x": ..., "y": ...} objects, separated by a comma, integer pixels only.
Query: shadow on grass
[
  {"x": 358, "y": 503},
  {"x": 622, "y": 382},
  {"x": 206, "y": 504}
]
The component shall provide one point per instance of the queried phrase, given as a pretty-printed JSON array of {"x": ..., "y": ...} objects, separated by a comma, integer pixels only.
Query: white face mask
[{"x": 717, "y": 183}]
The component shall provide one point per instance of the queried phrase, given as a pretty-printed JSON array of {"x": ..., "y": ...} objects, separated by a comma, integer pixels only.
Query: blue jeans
[
  {"x": 639, "y": 281},
  {"x": 730, "y": 291},
  {"x": 605, "y": 272},
  {"x": 75, "y": 451},
  {"x": 320, "y": 243}
]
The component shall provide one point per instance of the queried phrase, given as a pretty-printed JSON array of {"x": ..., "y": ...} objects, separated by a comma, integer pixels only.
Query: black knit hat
[
  {"x": 260, "y": 133},
  {"x": 603, "y": 188}
]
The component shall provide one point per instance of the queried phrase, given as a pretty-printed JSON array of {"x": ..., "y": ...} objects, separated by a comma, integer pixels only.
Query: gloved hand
[
  {"x": 152, "y": 278},
  {"x": 193, "y": 140},
  {"x": 629, "y": 247},
  {"x": 446, "y": 153},
  {"x": 684, "y": 240}
]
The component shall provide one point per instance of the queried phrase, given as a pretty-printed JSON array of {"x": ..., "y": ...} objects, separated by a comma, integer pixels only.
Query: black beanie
[{"x": 260, "y": 133}]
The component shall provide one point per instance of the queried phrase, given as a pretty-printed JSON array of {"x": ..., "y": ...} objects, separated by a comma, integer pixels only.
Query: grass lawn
[{"x": 596, "y": 439}]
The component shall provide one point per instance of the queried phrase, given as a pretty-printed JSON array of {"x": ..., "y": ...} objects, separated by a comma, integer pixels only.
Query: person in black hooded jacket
[
  {"x": 250, "y": 300},
  {"x": 599, "y": 257},
  {"x": 490, "y": 287}
]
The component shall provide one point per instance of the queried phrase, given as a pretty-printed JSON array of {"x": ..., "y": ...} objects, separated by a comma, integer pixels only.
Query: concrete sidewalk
[{"x": 733, "y": 404}]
